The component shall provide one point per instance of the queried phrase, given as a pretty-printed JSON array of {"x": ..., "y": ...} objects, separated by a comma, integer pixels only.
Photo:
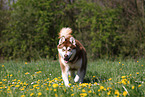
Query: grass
[{"x": 43, "y": 79}]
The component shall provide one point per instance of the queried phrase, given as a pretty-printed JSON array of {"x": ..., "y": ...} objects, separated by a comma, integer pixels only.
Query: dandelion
[
  {"x": 31, "y": 94},
  {"x": 95, "y": 83},
  {"x": 137, "y": 61},
  {"x": 17, "y": 85},
  {"x": 26, "y": 63},
  {"x": 139, "y": 85},
  {"x": 110, "y": 79},
  {"x": 83, "y": 94},
  {"x": 22, "y": 95},
  {"x": 123, "y": 77},
  {"x": 116, "y": 92},
  {"x": 69, "y": 84},
  {"x": 90, "y": 91},
  {"x": 124, "y": 93},
  {"x": 119, "y": 62},
  {"x": 1, "y": 83},
  {"x": 2, "y": 65},
  {"x": 137, "y": 72},
  {"x": 64, "y": 90},
  {"x": 39, "y": 94},
  {"x": 108, "y": 93},
  {"x": 101, "y": 87},
  {"x": 47, "y": 88},
  {"x": 56, "y": 95},
  {"x": 142, "y": 65},
  {"x": 83, "y": 90},
  {"x": 54, "y": 90},
  {"x": 72, "y": 94},
  {"x": 93, "y": 76},
  {"x": 122, "y": 64},
  {"x": 27, "y": 73},
  {"x": 133, "y": 87}
]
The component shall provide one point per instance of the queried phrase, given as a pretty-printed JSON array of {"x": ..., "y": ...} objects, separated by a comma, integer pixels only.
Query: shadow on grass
[{"x": 92, "y": 77}]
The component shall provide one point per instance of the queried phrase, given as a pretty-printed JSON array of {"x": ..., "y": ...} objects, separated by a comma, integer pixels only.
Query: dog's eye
[{"x": 69, "y": 49}]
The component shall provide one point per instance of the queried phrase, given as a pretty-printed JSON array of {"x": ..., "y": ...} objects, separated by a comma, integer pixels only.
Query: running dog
[{"x": 72, "y": 57}]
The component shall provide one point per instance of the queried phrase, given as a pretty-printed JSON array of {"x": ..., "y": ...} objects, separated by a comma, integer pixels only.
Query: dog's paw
[
  {"x": 76, "y": 78},
  {"x": 67, "y": 85}
]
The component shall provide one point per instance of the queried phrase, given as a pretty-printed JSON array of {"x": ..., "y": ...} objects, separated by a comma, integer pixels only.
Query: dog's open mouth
[{"x": 67, "y": 59}]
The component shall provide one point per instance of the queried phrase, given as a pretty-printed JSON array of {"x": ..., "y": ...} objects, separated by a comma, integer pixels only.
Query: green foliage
[
  {"x": 31, "y": 33},
  {"x": 106, "y": 28}
]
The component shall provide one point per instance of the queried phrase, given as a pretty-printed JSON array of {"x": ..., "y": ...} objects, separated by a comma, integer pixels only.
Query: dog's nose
[{"x": 65, "y": 55}]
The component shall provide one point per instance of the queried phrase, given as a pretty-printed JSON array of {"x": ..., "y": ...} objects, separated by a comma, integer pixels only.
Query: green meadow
[{"x": 104, "y": 78}]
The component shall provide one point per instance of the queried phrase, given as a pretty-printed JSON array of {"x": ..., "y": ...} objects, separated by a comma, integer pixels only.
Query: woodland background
[{"x": 107, "y": 28}]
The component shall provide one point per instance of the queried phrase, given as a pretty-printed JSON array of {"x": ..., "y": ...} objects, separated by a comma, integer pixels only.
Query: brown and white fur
[{"x": 72, "y": 57}]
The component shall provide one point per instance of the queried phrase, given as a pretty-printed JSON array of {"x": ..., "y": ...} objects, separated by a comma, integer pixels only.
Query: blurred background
[{"x": 110, "y": 29}]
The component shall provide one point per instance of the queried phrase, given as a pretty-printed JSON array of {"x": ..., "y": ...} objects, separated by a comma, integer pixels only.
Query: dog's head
[{"x": 67, "y": 48}]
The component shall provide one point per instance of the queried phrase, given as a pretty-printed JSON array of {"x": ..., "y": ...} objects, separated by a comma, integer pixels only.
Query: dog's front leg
[
  {"x": 80, "y": 76},
  {"x": 65, "y": 77}
]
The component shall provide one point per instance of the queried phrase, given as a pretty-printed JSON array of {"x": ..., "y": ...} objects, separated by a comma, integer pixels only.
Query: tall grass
[{"x": 43, "y": 79}]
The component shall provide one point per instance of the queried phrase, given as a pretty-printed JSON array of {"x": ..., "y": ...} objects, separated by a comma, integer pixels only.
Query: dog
[{"x": 72, "y": 57}]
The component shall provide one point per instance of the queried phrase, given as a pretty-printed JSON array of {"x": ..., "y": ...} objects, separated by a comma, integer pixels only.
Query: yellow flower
[
  {"x": 137, "y": 72},
  {"x": 93, "y": 76},
  {"x": 22, "y": 95},
  {"x": 34, "y": 86},
  {"x": 137, "y": 61},
  {"x": 27, "y": 73},
  {"x": 122, "y": 64},
  {"x": 116, "y": 92},
  {"x": 119, "y": 62},
  {"x": 108, "y": 93},
  {"x": 90, "y": 91},
  {"x": 142, "y": 65},
  {"x": 95, "y": 83},
  {"x": 101, "y": 87},
  {"x": 83, "y": 90},
  {"x": 1, "y": 83},
  {"x": 110, "y": 79},
  {"x": 2, "y": 65},
  {"x": 55, "y": 85},
  {"x": 54, "y": 90},
  {"x": 47, "y": 88},
  {"x": 26, "y": 63},
  {"x": 31, "y": 94},
  {"x": 83, "y": 94},
  {"x": 123, "y": 77},
  {"x": 39, "y": 94},
  {"x": 124, "y": 93},
  {"x": 72, "y": 94},
  {"x": 64, "y": 90},
  {"x": 56, "y": 95},
  {"x": 133, "y": 87},
  {"x": 139, "y": 85},
  {"x": 17, "y": 85}
]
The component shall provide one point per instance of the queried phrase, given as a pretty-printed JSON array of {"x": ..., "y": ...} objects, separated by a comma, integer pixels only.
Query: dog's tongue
[{"x": 66, "y": 61}]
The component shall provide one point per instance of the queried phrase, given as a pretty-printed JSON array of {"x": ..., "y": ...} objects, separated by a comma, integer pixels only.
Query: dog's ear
[
  {"x": 72, "y": 40},
  {"x": 61, "y": 40}
]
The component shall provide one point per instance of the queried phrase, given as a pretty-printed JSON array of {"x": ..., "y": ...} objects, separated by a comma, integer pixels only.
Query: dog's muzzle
[{"x": 66, "y": 58}]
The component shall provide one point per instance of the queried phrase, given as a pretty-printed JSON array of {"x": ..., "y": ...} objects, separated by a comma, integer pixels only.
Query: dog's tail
[{"x": 65, "y": 32}]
